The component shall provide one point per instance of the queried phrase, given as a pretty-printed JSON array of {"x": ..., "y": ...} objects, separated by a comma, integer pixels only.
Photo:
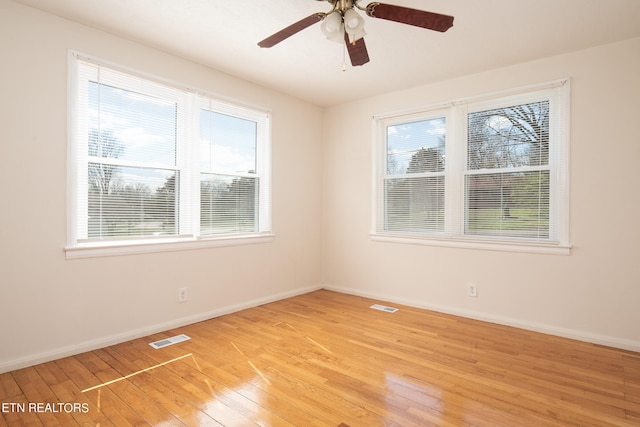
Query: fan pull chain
[{"x": 344, "y": 58}]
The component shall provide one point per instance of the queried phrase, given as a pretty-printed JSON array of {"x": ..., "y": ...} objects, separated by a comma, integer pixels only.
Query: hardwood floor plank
[
  {"x": 304, "y": 410},
  {"x": 160, "y": 383},
  {"x": 220, "y": 398},
  {"x": 66, "y": 391},
  {"x": 17, "y": 414},
  {"x": 42, "y": 400},
  {"x": 8, "y": 388},
  {"x": 104, "y": 402},
  {"x": 327, "y": 359},
  {"x": 147, "y": 405}
]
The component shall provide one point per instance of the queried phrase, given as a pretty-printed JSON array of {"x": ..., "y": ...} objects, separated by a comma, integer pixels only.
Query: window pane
[
  {"x": 509, "y": 137},
  {"x": 131, "y": 126},
  {"x": 227, "y": 143},
  {"x": 416, "y": 147},
  {"x": 414, "y": 204},
  {"x": 127, "y": 201},
  {"x": 228, "y": 204},
  {"x": 510, "y": 205}
]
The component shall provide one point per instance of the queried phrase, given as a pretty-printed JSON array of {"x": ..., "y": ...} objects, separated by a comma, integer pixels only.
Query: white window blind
[
  {"x": 414, "y": 183},
  {"x": 507, "y": 182},
  {"x": 233, "y": 195},
  {"x": 478, "y": 170},
  {"x": 129, "y": 156},
  {"x": 151, "y": 161}
]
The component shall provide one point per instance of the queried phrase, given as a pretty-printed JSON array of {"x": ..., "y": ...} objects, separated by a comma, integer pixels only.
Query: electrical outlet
[
  {"x": 182, "y": 294},
  {"x": 472, "y": 290}
]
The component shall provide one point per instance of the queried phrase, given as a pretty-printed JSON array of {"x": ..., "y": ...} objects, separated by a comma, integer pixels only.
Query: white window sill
[
  {"x": 115, "y": 248},
  {"x": 488, "y": 245}
]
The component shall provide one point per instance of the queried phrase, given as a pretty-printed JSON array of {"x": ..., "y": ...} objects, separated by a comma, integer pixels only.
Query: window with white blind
[
  {"x": 485, "y": 173},
  {"x": 153, "y": 166},
  {"x": 414, "y": 182}
]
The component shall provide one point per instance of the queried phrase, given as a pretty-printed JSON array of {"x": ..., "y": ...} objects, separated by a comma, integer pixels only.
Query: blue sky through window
[
  {"x": 227, "y": 143},
  {"x": 404, "y": 140}
]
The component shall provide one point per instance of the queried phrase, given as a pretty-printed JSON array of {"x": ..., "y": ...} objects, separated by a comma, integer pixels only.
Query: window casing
[
  {"x": 155, "y": 167},
  {"x": 488, "y": 173}
]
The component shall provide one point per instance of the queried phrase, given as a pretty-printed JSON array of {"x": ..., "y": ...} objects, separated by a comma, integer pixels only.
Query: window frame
[
  {"x": 557, "y": 93},
  {"x": 432, "y": 114},
  {"x": 187, "y": 236}
]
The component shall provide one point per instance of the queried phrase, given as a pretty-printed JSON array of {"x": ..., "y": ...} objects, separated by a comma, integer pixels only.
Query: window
[
  {"x": 485, "y": 173},
  {"x": 415, "y": 176},
  {"x": 155, "y": 167}
]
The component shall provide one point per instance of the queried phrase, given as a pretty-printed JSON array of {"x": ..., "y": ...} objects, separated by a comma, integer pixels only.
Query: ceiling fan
[{"x": 343, "y": 24}]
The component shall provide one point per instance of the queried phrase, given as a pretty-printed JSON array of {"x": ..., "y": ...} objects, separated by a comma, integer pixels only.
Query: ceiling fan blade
[
  {"x": 291, "y": 30},
  {"x": 357, "y": 51},
  {"x": 405, "y": 15}
]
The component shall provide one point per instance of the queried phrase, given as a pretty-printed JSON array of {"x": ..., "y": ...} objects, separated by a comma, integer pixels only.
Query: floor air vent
[
  {"x": 384, "y": 308},
  {"x": 169, "y": 341}
]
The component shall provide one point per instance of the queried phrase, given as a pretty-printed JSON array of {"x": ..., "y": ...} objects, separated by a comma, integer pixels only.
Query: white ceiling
[{"x": 223, "y": 34}]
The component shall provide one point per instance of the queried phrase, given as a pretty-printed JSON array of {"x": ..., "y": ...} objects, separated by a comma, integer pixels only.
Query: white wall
[
  {"x": 593, "y": 294},
  {"x": 50, "y": 306}
]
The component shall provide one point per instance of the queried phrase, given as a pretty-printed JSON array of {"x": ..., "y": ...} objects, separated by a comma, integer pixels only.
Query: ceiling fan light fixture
[
  {"x": 332, "y": 27},
  {"x": 353, "y": 25},
  {"x": 353, "y": 21}
]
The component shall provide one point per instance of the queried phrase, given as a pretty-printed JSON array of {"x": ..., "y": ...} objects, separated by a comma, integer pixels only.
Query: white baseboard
[
  {"x": 71, "y": 350},
  {"x": 106, "y": 341},
  {"x": 605, "y": 340}
]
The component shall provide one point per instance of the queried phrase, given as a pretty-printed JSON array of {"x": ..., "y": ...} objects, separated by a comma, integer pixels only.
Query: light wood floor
[{"x": 327, "y": 359}]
